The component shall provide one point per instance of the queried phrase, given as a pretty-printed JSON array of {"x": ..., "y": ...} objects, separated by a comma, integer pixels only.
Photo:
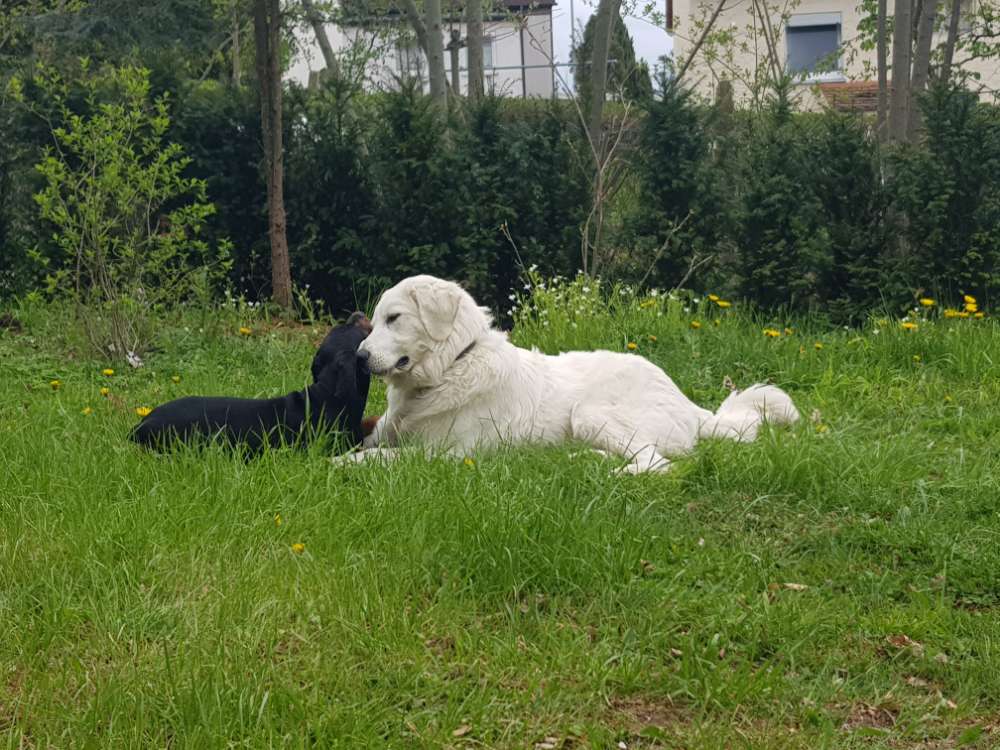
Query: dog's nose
[{"x": 363, "y": 355}]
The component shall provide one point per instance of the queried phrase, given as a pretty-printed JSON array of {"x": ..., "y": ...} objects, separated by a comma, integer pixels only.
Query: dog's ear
[{"x": 437, "y": 307}]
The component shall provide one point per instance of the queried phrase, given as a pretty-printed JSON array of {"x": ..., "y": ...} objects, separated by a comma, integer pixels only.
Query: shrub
[{"x": 124, "y": 215}]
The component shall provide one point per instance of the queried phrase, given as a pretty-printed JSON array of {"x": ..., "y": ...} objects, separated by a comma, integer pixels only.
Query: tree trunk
[
  {"x": 454, "y": 47},
  {"x": 435, "y": 52},
  {"x": 319, "y": 29},
  {"x": 607, "y": 12},
  {"x": 949, "y": 43},
  {"x": 267, "y": 35},
  {"x": 419, "y": 30},
  {"x": 902, "y": 46},
  {"x": 235, "y": 51},
  {"x": 883, "y": 73},
  {"x": 921, "y": 64},
  {"x": 474, "y": 46}
]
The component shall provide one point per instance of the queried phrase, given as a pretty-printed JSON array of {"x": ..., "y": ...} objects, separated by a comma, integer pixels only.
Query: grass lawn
[{"x": 832, "y": 585}]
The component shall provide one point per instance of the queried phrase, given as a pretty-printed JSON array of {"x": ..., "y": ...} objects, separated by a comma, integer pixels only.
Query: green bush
[
  {"x": 123, "y": 214},
  {"x": 948, "y": 190}
]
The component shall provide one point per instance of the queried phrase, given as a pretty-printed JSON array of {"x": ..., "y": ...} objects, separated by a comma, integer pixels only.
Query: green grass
[{"x": 153, "y": 601}]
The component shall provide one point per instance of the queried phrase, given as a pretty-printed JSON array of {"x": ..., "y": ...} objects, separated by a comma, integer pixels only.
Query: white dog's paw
[{"x": 348, "y": 459}]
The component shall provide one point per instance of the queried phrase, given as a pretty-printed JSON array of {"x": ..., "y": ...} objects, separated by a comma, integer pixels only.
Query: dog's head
[
  {"x": 419, "y": 327},
  {"x": 341, "y": 340}
]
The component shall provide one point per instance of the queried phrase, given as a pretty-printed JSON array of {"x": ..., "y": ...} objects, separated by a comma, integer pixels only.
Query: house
[
  {"x": 517, "y": 49},
  {"x": 817, "y": 40}
]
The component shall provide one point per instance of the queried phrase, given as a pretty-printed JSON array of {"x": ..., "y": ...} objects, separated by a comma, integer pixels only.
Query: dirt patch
[
  {"x": 640, "y": 712},
  {"x": 866, "y": 716}
]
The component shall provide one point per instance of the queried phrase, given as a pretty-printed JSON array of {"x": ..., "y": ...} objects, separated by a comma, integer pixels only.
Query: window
[
  {"x": 813, "y": 41},
  {"x": 410, "y": 59},
  {"x": 487, "y": 52}
]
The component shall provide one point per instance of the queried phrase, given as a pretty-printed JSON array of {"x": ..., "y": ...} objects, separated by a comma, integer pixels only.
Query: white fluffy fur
[{"x": 499, "y": 393}]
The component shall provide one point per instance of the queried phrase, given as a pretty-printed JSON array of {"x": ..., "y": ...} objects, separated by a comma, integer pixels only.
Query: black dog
[{"x": 336, "y": 399}]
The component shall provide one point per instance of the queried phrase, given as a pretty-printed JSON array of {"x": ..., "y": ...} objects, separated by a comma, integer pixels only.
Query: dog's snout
[{"x": 362, "y": 354}]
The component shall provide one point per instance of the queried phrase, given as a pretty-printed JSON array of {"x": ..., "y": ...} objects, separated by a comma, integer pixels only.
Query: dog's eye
[{"x": 391, "y": 319}]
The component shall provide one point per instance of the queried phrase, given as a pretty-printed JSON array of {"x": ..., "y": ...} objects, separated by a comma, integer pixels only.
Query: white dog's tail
[{"x": 740, "y": 416}]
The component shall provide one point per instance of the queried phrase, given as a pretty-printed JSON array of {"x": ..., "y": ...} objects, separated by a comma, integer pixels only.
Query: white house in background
[
  {"x": 816, "y": 39},
  {"x": 518, "y": 51}
]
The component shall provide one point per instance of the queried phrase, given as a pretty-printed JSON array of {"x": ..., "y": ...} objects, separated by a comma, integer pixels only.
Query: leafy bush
[
  {"x": 948, "y": 189},
  {"x": 125, "y": 216}
]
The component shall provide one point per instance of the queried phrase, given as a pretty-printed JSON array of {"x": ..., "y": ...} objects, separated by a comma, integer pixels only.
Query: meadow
[{"x": 833, "y": 585}]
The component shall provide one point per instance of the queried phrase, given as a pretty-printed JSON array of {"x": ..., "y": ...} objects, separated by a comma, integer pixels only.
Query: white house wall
[{"x": 505, "y": 78}]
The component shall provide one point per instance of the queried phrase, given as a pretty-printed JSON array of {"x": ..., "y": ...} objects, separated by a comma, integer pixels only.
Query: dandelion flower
[
  {"x": 951, "y": 313},
  {"x": 107, "y": 372},
  {"x": 632, "y": 346},
  {"x": 771, "y": 333},
  {"x": 908, "y": 325},
  {"x": 917, "y": 358},
  {"x": 469, "y": 462},
  {"x": 964, "y": 314},
  {"x": 652, "y": 338},
  {"x": 105, "y": 391},
  {"x": 55, "y": 384},
  {"x": 821, "y": 428},
  {"x": 298, "y": 548},
  {"x": 695, "y": 324},
  {"x": 969, "y": 299},
  {"x": 818, "y": 345},
  {"x": 143, "y": 411},
  {"x": 244, "y": 331},
  {"x": 717, "y": 322},
  {"x": 87, "y": 411},
  {"x": 714, "y": 297},
  {"x": 979, "y": 314},
  {"x": 723, "y": 303},
  {"x": 927, "y": 302},
  {"x": 789, "y": 331},
  {"x": 175, "y": 378},
  {"x": 971, "y": 307}
]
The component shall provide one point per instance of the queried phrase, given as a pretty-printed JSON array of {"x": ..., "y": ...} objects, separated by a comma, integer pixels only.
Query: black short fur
[{"x": 336, "y": 400}]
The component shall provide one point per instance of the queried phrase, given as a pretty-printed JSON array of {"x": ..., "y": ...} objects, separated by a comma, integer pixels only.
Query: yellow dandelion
[
  {"x": 821, "y": 428},
  {"x": 951, "y": 312},
  {"x": 927, "y": 302},
  {"x": 277, "y": 519},
  {"x": 87, "y": 411},
  {"x": 971, "y": 307},
  {"x": 714, "y": 297},
  {"x": 979, "y": 314},
  {"x": 802, "y": 350},
  {"x": 298, "y": 548},
  {"x": 717, "y": 322},
  {"x": 244, "y": 331},
  {"x": 723, "y": 303},
  {"x": 964, "y": 314},
  {"x": 695, "y": 324},
  {"x": 908, "y": 325},
  {"x": 175, "y": 378},
  {"x": 969, "y": 299},
  {"x": 105, "y": 391},
  {"x": 469, "y": 462},
  {"x": 143, "y": 411},
  {"x": 107, "y": 372},
  {"x": 55, "y": 384},
  {"x": 632, "y": 346},
  {"x": 917, "y": 357},
  {"x": 772, "y": 333},
  {"x": 818, "y": 345},
  {"x": 652, "y": 338},
  {"x": 789, "y": 331}
]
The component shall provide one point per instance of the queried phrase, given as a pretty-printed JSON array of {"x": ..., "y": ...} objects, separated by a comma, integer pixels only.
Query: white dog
[{"x": 460, "y": 386}]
